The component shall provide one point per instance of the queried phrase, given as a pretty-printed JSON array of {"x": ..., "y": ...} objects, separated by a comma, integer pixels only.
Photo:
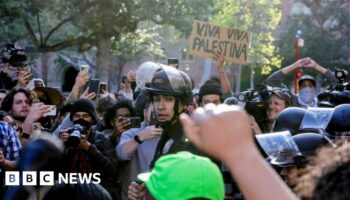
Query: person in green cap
[{"x": 183, "y": 176}]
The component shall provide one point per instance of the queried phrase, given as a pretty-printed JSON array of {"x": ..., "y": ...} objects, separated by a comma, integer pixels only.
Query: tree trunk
[
  {"x": 44, "y": 67},
  {"x": 236, "y": 74},
  {"x": 116, "y": 73},
  {"x": 103, "y": 59}
]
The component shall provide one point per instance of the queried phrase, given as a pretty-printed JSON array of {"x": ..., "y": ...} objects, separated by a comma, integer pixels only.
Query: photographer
[
  {"x": 15, "y": 71},
  {"x": 87, "y": 150},
  {"x": 308, "y": 94}
]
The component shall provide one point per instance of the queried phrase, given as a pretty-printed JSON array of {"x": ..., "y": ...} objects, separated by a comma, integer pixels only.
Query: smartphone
[
  {"x": 35, "y": 83},
  {"x": 103, "y": 88},
  {"x": 135, "y": 122},
  {"x": 84, "y": 67},
  {"x": 154, "y": 120},
  {"x": 173, "y": 62},
  {"x": 53, "y": 111},
  {"x": 94, "y": 85},
  {"x": 36, "y": 129},
  {"x": 38, "y": 83}
]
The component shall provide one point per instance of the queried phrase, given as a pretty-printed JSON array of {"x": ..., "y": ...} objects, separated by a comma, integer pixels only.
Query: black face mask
[{"x": 84, "y": 123}]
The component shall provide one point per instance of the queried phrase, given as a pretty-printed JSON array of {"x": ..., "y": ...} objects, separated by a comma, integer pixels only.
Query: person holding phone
[
  {"x": 80, "y": 84},
  {"x": 19, "y": 103},
  {"x": 117, "y": 119},
  {"x": 15, "y": 71},
  {"x": 137, "y": 145}
]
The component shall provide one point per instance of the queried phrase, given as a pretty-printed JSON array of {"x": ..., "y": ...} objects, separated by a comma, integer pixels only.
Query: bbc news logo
[{"x": 47, "y": 178}]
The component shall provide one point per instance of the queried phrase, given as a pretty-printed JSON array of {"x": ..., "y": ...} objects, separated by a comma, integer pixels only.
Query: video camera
[
  {"x": 15, "y": 55},
  {"x": 336, "y": 95},
  {"x": 75, "y": 133},
  {"x": 255, "y": 102}
]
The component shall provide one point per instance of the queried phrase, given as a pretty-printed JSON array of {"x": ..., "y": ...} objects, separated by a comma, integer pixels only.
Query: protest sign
[{"x": 207, "y": 39}]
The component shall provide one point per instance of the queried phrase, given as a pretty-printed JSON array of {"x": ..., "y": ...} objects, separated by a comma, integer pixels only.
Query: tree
[
  {"x": 260, "y": 17},
  {"x": 325, "y": 28},
  {"x": 54, "y": 25}
]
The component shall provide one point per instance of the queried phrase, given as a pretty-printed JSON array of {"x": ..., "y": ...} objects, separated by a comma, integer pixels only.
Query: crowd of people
[{"x": 162, "y": 141}]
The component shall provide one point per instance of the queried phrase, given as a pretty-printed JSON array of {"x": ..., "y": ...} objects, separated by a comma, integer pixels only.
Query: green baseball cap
[{"x": 184, "y": 176}]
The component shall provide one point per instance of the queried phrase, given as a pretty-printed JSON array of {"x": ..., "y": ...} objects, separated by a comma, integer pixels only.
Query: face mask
[
  {"x": 84, "y": 123},
  {"x": 307, "y": 95}
]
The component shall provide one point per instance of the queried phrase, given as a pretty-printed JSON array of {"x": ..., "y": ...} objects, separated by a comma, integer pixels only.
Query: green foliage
[
  {"x": 53, "y": 25},
  {"x": 326, "y": 32},
  {"x": 260, "y": 17},
  {"x": 133, "y": 46}
]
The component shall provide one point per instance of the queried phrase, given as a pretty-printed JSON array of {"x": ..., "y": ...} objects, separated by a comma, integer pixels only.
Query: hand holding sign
[{"x": 208, "y": 38}]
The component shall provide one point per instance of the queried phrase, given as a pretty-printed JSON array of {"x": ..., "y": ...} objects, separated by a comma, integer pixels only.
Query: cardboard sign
[{"x": 207, "y": 39}]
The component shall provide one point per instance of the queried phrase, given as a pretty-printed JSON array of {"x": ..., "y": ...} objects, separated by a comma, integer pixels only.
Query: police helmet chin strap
[
  {"x": 174, "y": 118},
  {"x": 176, "y": 111}
]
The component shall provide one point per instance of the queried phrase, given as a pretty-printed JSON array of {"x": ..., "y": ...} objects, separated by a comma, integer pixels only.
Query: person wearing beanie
[
  {"x": 210, "y": 92},
  {"x": 87, "y": 150},
  {"x": 307, "y": 96}
]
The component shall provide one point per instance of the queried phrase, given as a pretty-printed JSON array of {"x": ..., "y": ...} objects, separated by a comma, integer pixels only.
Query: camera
[
  {"x": 336, "y": 95},
  {"x": 255, "y": 103},
  {"x": 74, "y": 137},
  {"x": 15, "y": 55}
]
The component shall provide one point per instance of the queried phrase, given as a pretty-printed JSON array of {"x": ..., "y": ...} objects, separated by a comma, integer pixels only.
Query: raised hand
[
  {"x": 87, "y": 95},
  {"x": 219, "y": 129}
]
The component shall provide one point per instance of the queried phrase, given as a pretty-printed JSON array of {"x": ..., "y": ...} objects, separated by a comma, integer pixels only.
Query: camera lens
[{"x": 73, "y": 139}]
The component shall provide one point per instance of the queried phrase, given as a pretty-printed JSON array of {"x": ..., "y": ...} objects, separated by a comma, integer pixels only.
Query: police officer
[{"x": 171, "y": 93}]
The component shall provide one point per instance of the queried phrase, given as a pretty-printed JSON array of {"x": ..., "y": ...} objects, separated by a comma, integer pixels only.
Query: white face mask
[{"x": 307, "y": 95}]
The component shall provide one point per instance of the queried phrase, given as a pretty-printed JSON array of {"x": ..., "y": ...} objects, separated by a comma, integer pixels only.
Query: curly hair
[
  {"x": 111, "y": 112},
  {"x": 327, "y": 176},
  {"x": 6, "y": 104}
]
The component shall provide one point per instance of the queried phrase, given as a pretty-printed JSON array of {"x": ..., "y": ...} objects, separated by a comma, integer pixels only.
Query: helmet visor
[
  {"x": 316, "y": 118},
  {"x": 280, "y": 147}
]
